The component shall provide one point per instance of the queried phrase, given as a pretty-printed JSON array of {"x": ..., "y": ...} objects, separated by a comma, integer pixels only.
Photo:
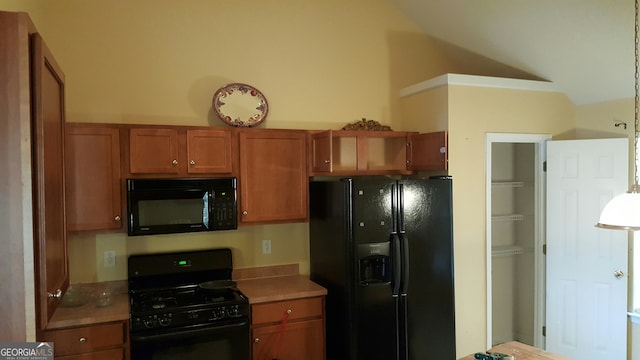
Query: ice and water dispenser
[{"x": 374, "y": 263}]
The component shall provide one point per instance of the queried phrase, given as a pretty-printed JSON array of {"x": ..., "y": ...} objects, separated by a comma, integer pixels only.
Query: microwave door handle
[{"x": 207, "y": 216}]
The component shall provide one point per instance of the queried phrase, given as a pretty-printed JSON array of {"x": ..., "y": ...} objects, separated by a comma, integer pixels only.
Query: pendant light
[{"x": 623, "y": 211}]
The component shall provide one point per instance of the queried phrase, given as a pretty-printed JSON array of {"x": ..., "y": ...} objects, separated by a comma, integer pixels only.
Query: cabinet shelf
[
  {"x": 507, "y": 184},
  {"x": 507, "y": 217},
  {"x": 508, "y": 250}
]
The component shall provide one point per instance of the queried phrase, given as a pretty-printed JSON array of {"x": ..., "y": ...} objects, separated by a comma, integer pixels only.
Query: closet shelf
[
  {"x": 507, "y": 184},
  {"x": 508, "y": 250},
  {"x": 507, "y": 217}
]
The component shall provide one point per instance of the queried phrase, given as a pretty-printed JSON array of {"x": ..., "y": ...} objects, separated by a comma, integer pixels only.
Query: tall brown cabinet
[{"x": 32, "y": 133}]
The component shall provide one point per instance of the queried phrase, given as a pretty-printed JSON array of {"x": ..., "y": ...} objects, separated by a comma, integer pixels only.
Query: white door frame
[{"x": 540, "y": 156}]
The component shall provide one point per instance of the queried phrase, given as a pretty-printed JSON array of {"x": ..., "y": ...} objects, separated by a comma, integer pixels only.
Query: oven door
[{"x": 225, "y": 342}]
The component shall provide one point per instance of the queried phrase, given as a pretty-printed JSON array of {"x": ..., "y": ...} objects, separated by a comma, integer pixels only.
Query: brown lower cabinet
[
  {"x": 91, "y": 342},
  {"x": 302, "y": 336}
]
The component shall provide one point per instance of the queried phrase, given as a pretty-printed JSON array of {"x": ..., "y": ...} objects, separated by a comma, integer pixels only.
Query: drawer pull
[
  {"x": 256, "y": 340},
  {"x": 83, "y": 340},
  {"x": 289, "y": 312}
]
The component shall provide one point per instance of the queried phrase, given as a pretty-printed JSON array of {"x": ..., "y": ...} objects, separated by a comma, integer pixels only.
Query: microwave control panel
[{"x": 224, "y": 210}]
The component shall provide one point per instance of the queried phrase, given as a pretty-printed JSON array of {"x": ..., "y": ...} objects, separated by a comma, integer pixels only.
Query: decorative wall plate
[{"x": 240, "y": 105}]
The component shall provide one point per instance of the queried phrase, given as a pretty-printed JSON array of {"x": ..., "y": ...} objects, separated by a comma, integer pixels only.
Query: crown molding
[{"x": 479, "y": 81}]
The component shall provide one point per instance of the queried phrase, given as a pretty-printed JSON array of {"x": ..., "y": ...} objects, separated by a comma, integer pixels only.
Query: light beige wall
[
  {"x": 321, "y": 64},
  {"x": 470, "y": 113}
]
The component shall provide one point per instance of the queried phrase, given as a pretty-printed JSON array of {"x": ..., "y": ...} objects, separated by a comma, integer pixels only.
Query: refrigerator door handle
[
  {"x": 404, "y": 248},
  {"x": 397, "y": 265},
  {"x": 400, "y": 209}
]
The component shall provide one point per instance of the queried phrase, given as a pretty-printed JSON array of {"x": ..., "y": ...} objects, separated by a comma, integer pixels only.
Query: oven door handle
[{"x": 178, "y": 334}]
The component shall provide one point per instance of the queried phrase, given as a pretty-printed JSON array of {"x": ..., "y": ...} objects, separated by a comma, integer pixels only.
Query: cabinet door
[
  {"x": 428, "y": 151},
  {"x": 299, "y": 340},
  {"x": 321, "y": 152},
  {"x": 209, "y": 151},
  {"x": 273, "y": 176},
  {"x": 52, "y": 276},
  {"x": 153, "y": 151},
  {"x": 93, "y": 177}
]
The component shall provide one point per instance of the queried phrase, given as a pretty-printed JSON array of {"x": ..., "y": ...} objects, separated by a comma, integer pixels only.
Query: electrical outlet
[
  {"x": 266, "y": 246},
  {"x": 109, "y": 258}
]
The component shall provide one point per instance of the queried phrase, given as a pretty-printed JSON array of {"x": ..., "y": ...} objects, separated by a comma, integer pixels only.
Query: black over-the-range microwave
[{"x": 164, "y": 206}]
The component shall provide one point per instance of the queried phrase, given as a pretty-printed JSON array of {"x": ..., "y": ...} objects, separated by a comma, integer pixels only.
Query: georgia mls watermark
[{"x": 26, "y": 351}]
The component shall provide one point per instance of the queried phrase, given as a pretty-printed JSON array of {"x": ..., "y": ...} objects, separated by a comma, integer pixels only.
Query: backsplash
[{"x": 87, "y": 260}]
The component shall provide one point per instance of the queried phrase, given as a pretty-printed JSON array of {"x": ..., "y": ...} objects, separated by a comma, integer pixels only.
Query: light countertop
[
  {"x": 278, "y": 288},
  {"x": 258, "y": 284},
  {"x": 88, "y": 311}
]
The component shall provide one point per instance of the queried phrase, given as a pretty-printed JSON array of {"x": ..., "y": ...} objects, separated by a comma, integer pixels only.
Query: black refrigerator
[{"x": 383, "y": 248}]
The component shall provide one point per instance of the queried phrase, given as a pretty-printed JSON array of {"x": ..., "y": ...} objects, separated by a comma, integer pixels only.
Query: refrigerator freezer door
[{"x": 375, "y": 308}]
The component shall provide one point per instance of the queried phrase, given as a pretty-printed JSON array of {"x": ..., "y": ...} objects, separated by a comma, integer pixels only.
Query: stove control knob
[
  {"x": 233, "y": 311},
  {"x": 150, "y": 322},
  {"x": 164, "y": 320},
  {"x": 218, "y": 313}
]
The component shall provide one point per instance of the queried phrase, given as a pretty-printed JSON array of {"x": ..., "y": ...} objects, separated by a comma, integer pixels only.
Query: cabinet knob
[
  {"x": 192, "y": 162},
  {"x": 83, "y": 340},
  {"x": 443, "y": 150},
  {"x": 256, "y": 340},
  {"x": 244, "y": 212},
  {"x": 56, "y": 295},
  {"x": 327, "y": 161},
  {"x": 289, "y": 311},
  {"x": 174, "y": 162},
  {"x": 117, "y": 218}
]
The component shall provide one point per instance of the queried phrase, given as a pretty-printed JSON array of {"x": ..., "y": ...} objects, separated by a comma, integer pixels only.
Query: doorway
[{"x": 515, "y": 238}]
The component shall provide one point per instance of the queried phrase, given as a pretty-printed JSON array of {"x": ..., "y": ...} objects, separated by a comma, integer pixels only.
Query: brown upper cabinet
[
  {"x": 346, "y": 152},
  {"x": 179, "y": 151},
  {"x": 93, "y": 181},
  {"x": 273, "y": 176}
]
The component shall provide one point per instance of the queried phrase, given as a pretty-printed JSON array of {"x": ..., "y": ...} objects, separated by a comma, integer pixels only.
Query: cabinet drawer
[
  {"x": 87, "y": 338},
  {"x": 274, "y": 311},
  {"x": 114, "y": 354}
]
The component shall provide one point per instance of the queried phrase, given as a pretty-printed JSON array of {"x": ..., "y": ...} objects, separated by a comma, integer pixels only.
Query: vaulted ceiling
[{"x": 585, "y": 47}]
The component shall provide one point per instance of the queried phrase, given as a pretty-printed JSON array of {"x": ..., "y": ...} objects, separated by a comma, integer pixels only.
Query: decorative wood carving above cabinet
[
  {"x": 179, "y": 151},
  {"x": 339, "y": 152}
]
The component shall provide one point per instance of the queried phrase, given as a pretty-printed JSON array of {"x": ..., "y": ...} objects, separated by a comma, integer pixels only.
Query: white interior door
[{"x": 586, "y": 302}]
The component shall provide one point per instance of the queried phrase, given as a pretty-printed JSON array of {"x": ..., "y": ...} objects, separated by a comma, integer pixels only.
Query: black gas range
[{"x": 186, "y": 306}]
